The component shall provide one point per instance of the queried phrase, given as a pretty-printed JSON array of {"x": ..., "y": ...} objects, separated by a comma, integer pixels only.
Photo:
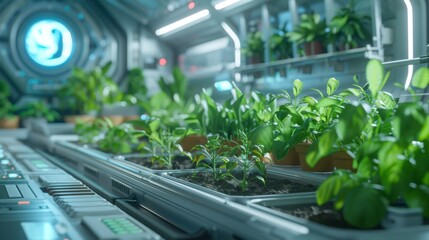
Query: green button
[
  {"x": 122, "y": 232},
  {"x": 136, "y": 231}
]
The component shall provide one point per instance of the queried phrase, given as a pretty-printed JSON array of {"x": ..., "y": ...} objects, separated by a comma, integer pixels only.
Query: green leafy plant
[
  {"x": 214, "y": 156},
  {"x": 391, "y": 164},
  {"x": 255, "y": 47},
  {"x": 163, "y": 144},
  {"x": 90, "y": 132},
  {"x": 38, "y": 109},
  {"x": 6, "y": 107},
  {"x": 99, "y": 90},
  {"x": 119, "y": 139},
  {"x": 359, "y": 121},
  {"x": 348, "y": 28},
  {"x": 136, "y": 90},
  {"x": 312, "y": 28},
  {"x": 249, "y": 163},
  {"x": 172, "y": 105},
  {"x": 280, "y": 46}
]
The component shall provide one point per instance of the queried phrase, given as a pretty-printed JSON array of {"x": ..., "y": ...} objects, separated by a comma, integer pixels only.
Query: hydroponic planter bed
[
  {"x": 284, "y": 207},
  {"x": 307, "y": 180}
]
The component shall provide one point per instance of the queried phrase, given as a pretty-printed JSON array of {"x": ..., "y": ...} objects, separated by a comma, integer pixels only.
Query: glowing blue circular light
[{"x": 49, "y": 43}]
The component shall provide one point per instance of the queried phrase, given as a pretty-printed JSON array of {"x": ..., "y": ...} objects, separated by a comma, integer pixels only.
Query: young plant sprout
[
  {"x": 213, "y": 156},
  {"x": 163, "y": 144},
  {"x": 249, "y": 163}
]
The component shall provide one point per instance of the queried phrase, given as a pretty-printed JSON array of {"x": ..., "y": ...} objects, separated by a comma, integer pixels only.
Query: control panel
[{"x": 41, "y": 201}]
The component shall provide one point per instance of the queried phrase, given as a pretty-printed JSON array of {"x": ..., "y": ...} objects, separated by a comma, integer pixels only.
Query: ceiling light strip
[
  {"x": 237, "y": 44},
  {"x": 225, "y": 4},
  {"x": 182, "y": 22},
  {"x": 410, "y": 33}
]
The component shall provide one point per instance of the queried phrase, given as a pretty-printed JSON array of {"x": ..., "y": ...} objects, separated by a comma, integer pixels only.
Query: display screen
[{"x": 49, "y": 43}]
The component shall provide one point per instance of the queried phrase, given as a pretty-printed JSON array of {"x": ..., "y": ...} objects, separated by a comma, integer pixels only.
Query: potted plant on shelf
[
  {"x": 36, "y": 111},
  {"x": 88, "y": 92},
  {"x": 311, "y": 33},
  {"x": 280, "y": 46},
  {"x": 255, "y": 48},
  {"x": 136, "y": 90},
  {"x": 348, "y": 28},
  {"x": 7, "y": 117}
]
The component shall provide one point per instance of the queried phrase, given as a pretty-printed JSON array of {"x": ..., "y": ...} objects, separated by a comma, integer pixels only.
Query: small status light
[
  {"x": 191, "y": 5},
  {"x": 23, "y": 202},
  {"x": 162, "y": 61}
]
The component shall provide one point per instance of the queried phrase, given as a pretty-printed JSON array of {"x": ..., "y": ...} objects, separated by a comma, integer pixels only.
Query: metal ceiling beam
[{"x": 127, "y": 10}]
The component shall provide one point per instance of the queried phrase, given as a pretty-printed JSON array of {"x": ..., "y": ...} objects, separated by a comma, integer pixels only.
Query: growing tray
[
  {"x": 267, "y": 206},
  {"x": 126, "y": 160},
  {"x": 293, "y": 176}
]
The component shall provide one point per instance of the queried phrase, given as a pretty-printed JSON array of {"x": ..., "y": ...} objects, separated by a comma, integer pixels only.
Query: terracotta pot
[
  {"x": 73, "y": 118},
  {"x": 291, "y": 158},
  {"x": 313, "y": 48},
  {"x": 191, "y": 141},
  {"x": 9, "y": 122},
  {"x": 130, "y": 118},
  {"x": 342, "y": 160},
  {"x": 324, "y": 165},
  {"x": 116, "y": 119}
]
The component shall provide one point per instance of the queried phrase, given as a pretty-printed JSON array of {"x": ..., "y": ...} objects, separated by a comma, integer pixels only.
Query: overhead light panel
[
  {"x": 225, "y": 4},
  {"x": 182, "y": 22},
  {"x": 410, "y": 35}
]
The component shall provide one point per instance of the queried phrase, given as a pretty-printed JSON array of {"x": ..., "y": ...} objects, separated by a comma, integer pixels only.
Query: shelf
[{"x": 366, "y": 52}]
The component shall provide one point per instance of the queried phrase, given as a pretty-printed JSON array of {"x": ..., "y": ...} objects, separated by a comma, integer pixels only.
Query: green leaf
[
  {"x": 424, "y": 132},
  {"x": 297, "y": 87},
  {"x": 310, "y": 100},
  {"x": 385, "y": 100},
  {"x": 374, "y": 76},
  {"x": 263, "y": 135},
  {"x": 332, "y": 86},
  {"x": 418, "y": 198},
  {"x": 321, "y": 148},
  {"x": 328, "y": 102},
  {"x": 421, "y": 78},
  {"x": 330, "y": 188},
  {"x": 408, "y": 122},
  {"x": 353, "y": 91},
  {"x": 364, "y": 207},
  {"x": 391, "y": 168},
  {"x": 352, "y": 121}
]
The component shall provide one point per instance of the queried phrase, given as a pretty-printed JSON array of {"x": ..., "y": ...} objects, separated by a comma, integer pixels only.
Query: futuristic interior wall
[{"x": 42, "y": 40}]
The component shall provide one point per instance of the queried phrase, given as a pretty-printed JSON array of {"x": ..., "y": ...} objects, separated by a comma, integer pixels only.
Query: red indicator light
[
  {"x": 191, "y": 5},
  {"x": 162, "y": 61},
  {"x": 23, "y": 202}
]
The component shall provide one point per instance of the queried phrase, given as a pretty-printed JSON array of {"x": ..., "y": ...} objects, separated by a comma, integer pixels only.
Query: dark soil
[
  {"x": 325, "y": 215},
  {"x": 232, "y": 187},
  {"x": 179, "y": 162}
]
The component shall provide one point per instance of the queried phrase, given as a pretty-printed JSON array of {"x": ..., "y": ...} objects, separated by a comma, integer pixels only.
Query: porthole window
[{"x": 49, "y": 43}]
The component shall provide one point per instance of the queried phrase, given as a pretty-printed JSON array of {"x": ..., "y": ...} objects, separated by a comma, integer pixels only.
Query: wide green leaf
[
  {"x": 418, "y": 198},
  {"x": 421, "y": 78},
  {"x": 332, "y": 86},
  {"x": 330, "y": 188},
  {"x": 374, "y": 76},
  {"x": 263, "y": 135},
  {"x": 385, "y": 100},
  {"x": 391, "y": 168},
  {"x": 364, "y": 207},
  {"x": 408, "y": 122},
  {"x": 328, "y": 102},
  {"x": 322, "y": 148},
  {"x": 297, "y": 87},
  {"x": 352, "y": 121},
  {"x": 424, "y": 132}
]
